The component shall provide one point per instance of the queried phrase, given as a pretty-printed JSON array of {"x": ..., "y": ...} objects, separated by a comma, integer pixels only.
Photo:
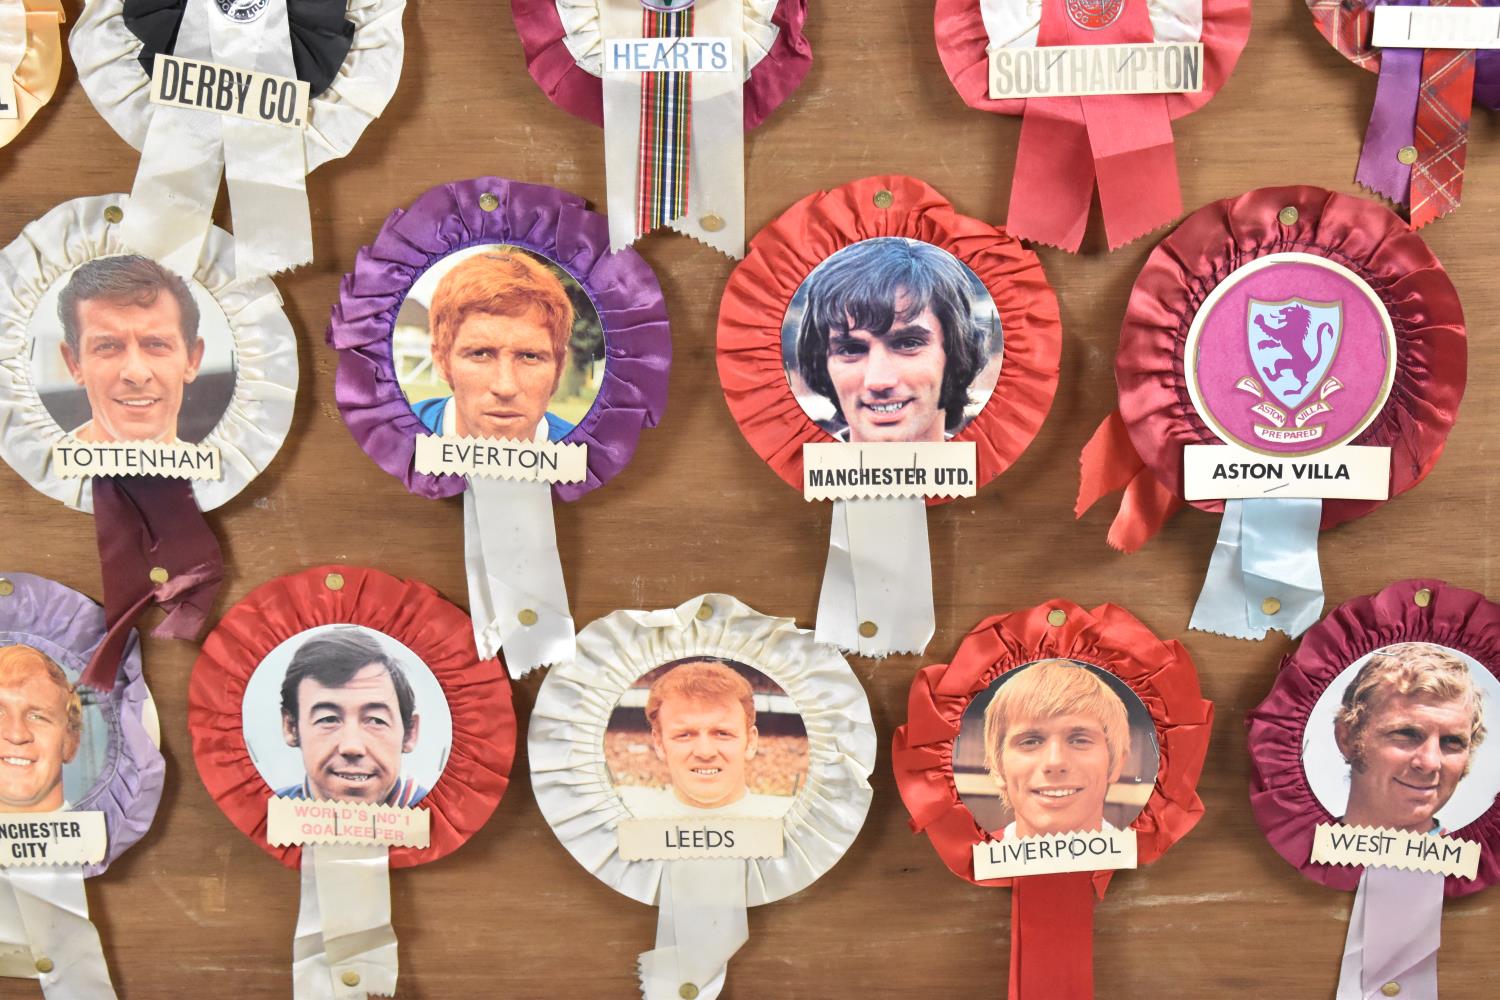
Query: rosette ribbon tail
[
  {"x": 1109, "y": 463},
  {"x": 1052, "y": 937},
  {"x": 1394, "y": 932},
  {"x": 46, "y": 934},
  {"x": 345, "y": 948},
  {"x": 700, "y": 924},
  {"x": 187, "y": 150},
  {"x": 1124, "y": 142},
  {"x": 517, "y": 596},
  {"x": 1264, "y": 570},
  {"x": 154, "y": 548},
  {"x": 877, "y": 584},
  {"x": 674, "y": 142},
  {"x": 1392, "y": 126}
]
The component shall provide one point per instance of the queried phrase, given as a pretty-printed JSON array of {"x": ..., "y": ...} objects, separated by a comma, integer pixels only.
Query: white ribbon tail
[
  {"x": 345, "y": 947},
  {"x": 1264, "y": 570},
  {"x": 517, "y": 597},
  {"x": 46, "y": 934},
  {"x": 700, "y": 924},
  {"x": 878, "y": 578},
  {"x": 716, "y": 169},
  {"x": 1395, "y": 928},
  {"x": 187, "y": 151}
]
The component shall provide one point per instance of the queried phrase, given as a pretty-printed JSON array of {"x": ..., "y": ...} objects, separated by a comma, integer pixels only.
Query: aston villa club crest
[
  {"x": 1292, "y": 347},
  {"x": 242, "y": 11},
  {"x": 1095, "y": 14}
]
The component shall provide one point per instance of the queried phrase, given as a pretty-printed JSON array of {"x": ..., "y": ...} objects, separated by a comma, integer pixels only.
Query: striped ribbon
[{"x": 666, "y": 130}]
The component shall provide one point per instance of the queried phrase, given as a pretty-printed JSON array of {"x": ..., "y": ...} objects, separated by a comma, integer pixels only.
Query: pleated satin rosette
[
  {"x": 1052, "y": 914},
  {"x": 153, "y": 541},
  {"x": 1140, "y": 448},
  {"x": 45, "y": 932},
  {"x": 674, "y": 142},
  {"x": 1416, "y": 143},
  {"x": 350, "y": 54},
  {"x": 509, "y": 536},
  {"x": 31, "y": 53},
  {"x": 760, "y": 396},
  {"x": 702, "y": 899},
  {"x": 1068, "y": 145},
  {"x": 1394, "y": 928},
  {"x": 345, "y": 946}
]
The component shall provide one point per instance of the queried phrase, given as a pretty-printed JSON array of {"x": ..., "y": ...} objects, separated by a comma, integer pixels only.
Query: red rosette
[
  {"x": 1156, "y": 411},
  {"x": 580, "y": 93},
  {"x": 1283, "y": 801},
  {"x": 1160, "y": 673},
  {"x": 785, "y": 252},
  {"x": 478, "y": 695},
  {"x": 963, "y": 46}
]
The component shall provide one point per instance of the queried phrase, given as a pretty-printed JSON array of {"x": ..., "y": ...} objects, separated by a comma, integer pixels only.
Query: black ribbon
[{"x": 321, "y": 37}]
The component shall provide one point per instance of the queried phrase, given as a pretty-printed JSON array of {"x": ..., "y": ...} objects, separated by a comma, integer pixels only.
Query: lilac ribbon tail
[
  {"x": 1393, "y": 124},
  {"x": 1394, "y": 932}
]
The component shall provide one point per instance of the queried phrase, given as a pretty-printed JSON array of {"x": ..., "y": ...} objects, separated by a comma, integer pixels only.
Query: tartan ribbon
[
  {"x": 1422, "y": 105},
  {"x": 666, "y": 130}
]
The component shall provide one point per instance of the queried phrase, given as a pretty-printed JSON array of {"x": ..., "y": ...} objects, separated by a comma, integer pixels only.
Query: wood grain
[{"x": 196, "y": 911}]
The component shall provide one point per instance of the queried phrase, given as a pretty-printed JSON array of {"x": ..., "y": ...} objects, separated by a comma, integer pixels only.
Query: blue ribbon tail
[{"x": 1264, "y": 570}]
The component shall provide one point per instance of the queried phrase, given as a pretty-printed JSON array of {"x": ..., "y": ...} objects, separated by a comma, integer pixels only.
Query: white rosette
[
  {"x": 259, "y": 414},
  {"x": 702, "y": 901},
  {"x": 1013, "y": 24},
  {"x": 185, "y": 152},
  {"x": 105, "y": 53}
]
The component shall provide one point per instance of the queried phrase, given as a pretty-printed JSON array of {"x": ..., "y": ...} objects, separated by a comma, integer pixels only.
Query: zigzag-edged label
[
  {"x": 1049, "y": 853},
  {"x": 1383, "y": 847},
  {"x": 53, "y": 838},
  {"x": 494, "y": 458},
  {"x": 873, "y": 470},
  {"x": 311, "y": 821},
  {"x": 74, "y": 459}
]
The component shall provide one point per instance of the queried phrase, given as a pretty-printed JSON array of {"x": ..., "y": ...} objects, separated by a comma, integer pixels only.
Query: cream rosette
[
  {"x": 105, "y": 52},
  {"x": 701, "y": 899},
  {"x": 585, "y": 39},
  {"x": 259, "y": 413}
]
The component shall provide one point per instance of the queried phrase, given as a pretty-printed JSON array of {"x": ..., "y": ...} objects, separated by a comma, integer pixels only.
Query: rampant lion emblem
[
  {"x": 1094, "y": 14},
  {"x": 1293, "y": 344}
]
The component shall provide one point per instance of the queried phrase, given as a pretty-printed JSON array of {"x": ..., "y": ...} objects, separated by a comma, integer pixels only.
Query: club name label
[
  {"x": 311, "y": 821},
  {"x": 1088, "y": 70},
  {"x": 1050, "y": 853},
  {"x": 667, "y": 55},
  {"x": 494, "y": 458},
  {"x": 1382, "y": 847},
  {"x": 73, "y": 459},
  {"x": 8, "y": 107},
  {"x": 55, "y": 838},
  {"x": 842, "y": 471},
  {"x": 225, "y": 90},
  {"x": 1229, "y": 472},
  {"x": 720, "y": 837},
  {"x": 1436, "y": 28}
]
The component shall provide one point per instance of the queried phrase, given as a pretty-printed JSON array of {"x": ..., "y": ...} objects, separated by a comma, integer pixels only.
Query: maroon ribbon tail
[{"x": 151, "y": 526}]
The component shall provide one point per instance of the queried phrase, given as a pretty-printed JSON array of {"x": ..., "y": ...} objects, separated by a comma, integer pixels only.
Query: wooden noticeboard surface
[{"x": 195, "y": 910}]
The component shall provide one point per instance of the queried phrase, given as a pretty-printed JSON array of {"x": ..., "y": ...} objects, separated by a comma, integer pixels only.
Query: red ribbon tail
[
  {"x": 1052, "y": 937},
  {"x": 1136, "y": 162},
  {"x": 1107, "y": 463},
  {"x": 145, "y": 526},
  {"x": 1053, "y": 185}
]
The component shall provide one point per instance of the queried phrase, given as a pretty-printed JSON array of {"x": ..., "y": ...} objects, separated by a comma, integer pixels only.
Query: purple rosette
[
  {"x": 546, "y": 221},
  {"x": 1281, "y": 797},
  {"x": 67, "y": 626}
]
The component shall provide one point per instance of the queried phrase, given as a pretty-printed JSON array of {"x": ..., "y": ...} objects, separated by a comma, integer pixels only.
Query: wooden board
[{"x": 196, "y": 910}]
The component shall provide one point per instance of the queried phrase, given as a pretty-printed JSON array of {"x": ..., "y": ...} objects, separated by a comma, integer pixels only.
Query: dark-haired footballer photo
[{"x": 892, "y": 339}]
